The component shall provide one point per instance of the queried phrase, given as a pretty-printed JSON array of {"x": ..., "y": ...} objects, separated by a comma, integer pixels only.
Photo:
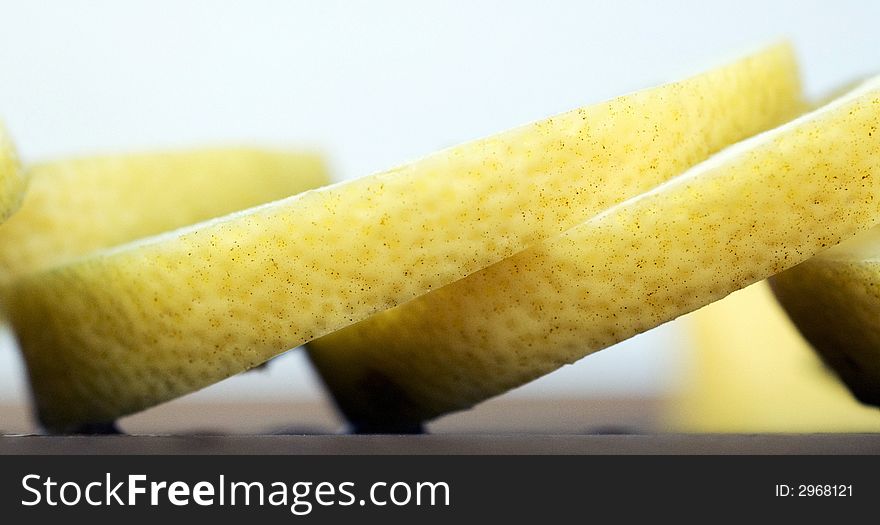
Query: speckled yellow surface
[
  {"x": 12, "y": 182},
  {"x": 73, "y": 207},
  {"x": 150, "y": 321},
  {"x": 751, "y": 371},
  {"x": 834, "y": 300},
  {"x": 757, "y": 208}
]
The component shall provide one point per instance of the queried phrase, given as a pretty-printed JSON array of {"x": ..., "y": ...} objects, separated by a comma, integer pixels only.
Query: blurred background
[{"x": 375, "y": 84}]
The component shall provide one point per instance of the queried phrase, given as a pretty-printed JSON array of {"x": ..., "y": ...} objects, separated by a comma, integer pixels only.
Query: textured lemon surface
[
  {"x": 753, "y": 372},
  {"x": 122, "y": 330},
  {"x": 73, "y": 207},
  {"x": 11, "y": 179},
  {"x": 755, "y": 209},
  {"x": 834, "y": 300}
]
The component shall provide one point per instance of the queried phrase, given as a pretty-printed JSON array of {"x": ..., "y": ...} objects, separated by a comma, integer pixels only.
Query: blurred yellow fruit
[
  {"x": 73, "y": 207},
  {"x": 121, "y": 330},
  {"x": 753, "y": 372},
  {"x": 12, "y": 181},
  {"x": 755, "y": 209}
]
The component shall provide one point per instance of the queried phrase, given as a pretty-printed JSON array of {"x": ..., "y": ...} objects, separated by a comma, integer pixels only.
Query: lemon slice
[
  {"x": 73, "y": 207},
  {"x": 121, "y": 330},
  {"x": 834, "y": 300},
  {"x": 753, "y": 372},
  {"x": 12, "y": 182},
  {"x": 755, "y": 209}
]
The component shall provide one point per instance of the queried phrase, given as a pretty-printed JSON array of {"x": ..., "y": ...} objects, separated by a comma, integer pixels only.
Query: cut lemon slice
[
  {"x": 755, "y": 209},
  {"x": 121, "y": 330},
  {"x": 73, "y": 207}
]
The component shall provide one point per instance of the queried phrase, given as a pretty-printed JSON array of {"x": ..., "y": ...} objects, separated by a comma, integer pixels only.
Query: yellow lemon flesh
[
  {"x": 12, "y": 182},
  {"x": 753, "y": 372},
  {"x": 755, "y": 209},
  {"x": 73, "y": 207},
  {"x": 121, "y": 330},
  {"x": 834, "y": 300}
]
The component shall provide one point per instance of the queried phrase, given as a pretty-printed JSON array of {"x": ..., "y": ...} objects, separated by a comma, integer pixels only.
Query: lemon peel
[
  {"x": 123, "y": 329},
  {"x": 755, "y": 209},
  {"x": 75, "y": 206}
]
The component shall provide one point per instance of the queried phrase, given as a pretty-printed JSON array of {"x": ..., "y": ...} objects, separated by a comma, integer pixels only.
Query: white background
[{"x": 374, "y": 84}]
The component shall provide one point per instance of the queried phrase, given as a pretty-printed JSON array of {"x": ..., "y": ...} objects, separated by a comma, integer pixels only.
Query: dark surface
[{"x": 448, "y": 444}]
